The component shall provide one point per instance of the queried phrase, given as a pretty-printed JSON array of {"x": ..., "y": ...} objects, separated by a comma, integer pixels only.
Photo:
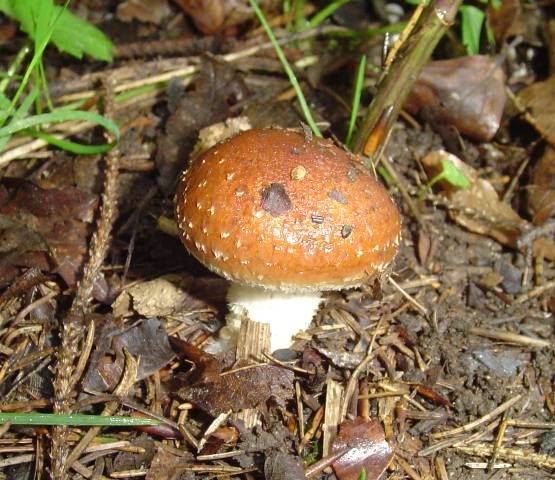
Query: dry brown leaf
[
  {"x": 165, "y": 465},
  {"x": 539, "y": 100},
  {"x": 211, "y": 16},
  {"x": 147, "y": 341},
  {"x": 241, "y": 389},
  {"x": 155, "y": 298},
  {"x": 541, "y": 191},
  {"x": 216, "y": 393},
  {"x": 368, "y": 449},
  {"x": 216, "y": 89},
  {"x": 282, "y": 466},
  {"x": 151, "y": 11},
  {"x": 479, "y": 209},
  {"x": 45, "y": 228},
  {"x": 504, "y": 20},
  {"x": 466, "y": 92}
]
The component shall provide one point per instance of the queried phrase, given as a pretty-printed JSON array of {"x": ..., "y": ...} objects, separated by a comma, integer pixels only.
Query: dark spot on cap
[
  {"x": 295, "y": 151},
  {"x": 338, "y": 197},
  {"x": 317, "y": 218},
  {"x": 346, "y": 231},
  {"x": 275, "y": 200},
  {"x": 352, "y": 175}
]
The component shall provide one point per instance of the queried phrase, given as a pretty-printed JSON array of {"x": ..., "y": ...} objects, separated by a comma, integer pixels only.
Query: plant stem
[{"x": 397, "y": 82}]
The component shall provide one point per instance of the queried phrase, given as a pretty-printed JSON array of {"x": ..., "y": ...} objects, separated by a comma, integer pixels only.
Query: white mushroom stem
[{"x": 287, "y": 313}]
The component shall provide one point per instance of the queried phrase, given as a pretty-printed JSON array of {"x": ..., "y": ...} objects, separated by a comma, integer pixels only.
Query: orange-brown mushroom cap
[{"x": 275, "y": 209}]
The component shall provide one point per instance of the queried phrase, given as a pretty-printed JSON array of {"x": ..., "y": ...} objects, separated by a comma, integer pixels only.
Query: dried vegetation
[{"x": 444, "y": 370}]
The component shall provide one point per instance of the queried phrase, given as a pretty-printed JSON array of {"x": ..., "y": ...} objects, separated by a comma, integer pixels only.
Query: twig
[
  {"x": 406, "y": 467},
  {"x": 394, "y": 87},
  {"x": 325, "y": 462},
  {"x": 535, "y": 292},
  {"x": 418, "y": 305},
  {"x": 470, "y": 426},
  {"x": 509, "y": 454},
  {"x": 498, "y": 441},
  {"x": 505, "y": 336},
  {"x": 71, "y": 331}
]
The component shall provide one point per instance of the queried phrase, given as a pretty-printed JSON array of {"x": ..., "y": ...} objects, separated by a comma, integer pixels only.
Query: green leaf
[
  {"x": 472, "y": 19},
  {"x": 362, "y": 475},
  {"x": 453, "y": 175},
  {"x": 71, "y": 34}
]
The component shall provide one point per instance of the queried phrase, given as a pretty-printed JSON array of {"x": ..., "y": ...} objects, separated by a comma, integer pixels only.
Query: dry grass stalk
[
  {"x": 252, "y": 344},
  {"x": 71, "y": 330},
  {"x": 485, "y": 450},
  {"x": 504, "y": 336},
  {"x": 486, "y": 418},
  {"x": 333, "y": 417}
]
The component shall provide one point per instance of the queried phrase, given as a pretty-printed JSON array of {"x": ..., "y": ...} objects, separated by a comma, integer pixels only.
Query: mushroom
[{"x": 285, "y": 217}]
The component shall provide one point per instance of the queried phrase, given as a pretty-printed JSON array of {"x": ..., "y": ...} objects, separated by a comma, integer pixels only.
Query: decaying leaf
[
  {"x": 45, "y": 228},
  {"x": 216, "y": 89},
  {"x": 250, "y": 387},
  {"x": 539, "y": 100},
  {"x": 151, "y": 11},
  {"x": 212, "y": 16},
  {"x": 155, "y": 298},
  {"x": 466, "y": 92},
  {"x": 368, "y": 449},
  {"x": 166, "y": 465},
  {"x": 479, "y": 209},
  {"x": 504, "y": 19},
  {"x": 281, "y": 466},
  {"x": 541, "y": 191},
  {"x": 147, "y": 341}
]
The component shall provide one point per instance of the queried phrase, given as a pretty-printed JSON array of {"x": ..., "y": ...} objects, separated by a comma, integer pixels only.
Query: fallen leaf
[
  {"x": 504, "y": 19},
  {"x": 154, "y": 298},
  {"x": 216, "y": 393},
  {"x": 466, "y": 92},
  {"x": 132, "y": 460},
  {"x": 165, "y": 465},
  {"x": 539, "y": 100},
  {"x": 45, "y": 228},
  {"x": 479, "y": 209},
  {"x": 282, "y": 466},
  {"x": 147, "y": 341},
  {"x": 212, "y": 16},
  {"x": 151, "y": 11},
  {"x": 368, "y": 449},
  {"x": 215, "y": 90},
  {"x": 541, "y": 191}
]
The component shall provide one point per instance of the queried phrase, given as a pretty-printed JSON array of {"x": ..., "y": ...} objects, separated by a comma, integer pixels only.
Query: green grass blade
[
  {"x": 288, "y": 70},
  {"x": 70, "y": 146},
  {"x": 328, "y": 10},
  {"x": 56, "y": 117},
  {"x": 14, "y": 66},
  {"x": 21, "y": 112},
  {"x": 74, "y": 419},
  {"x": 359, "y": 83}
]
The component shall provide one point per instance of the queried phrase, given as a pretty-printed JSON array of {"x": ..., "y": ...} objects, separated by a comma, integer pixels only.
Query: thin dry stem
[{"x": 71, "y": 330}]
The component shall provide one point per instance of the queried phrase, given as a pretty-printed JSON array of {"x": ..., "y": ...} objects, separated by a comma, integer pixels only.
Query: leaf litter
[{"x": 458, "y": 360}]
